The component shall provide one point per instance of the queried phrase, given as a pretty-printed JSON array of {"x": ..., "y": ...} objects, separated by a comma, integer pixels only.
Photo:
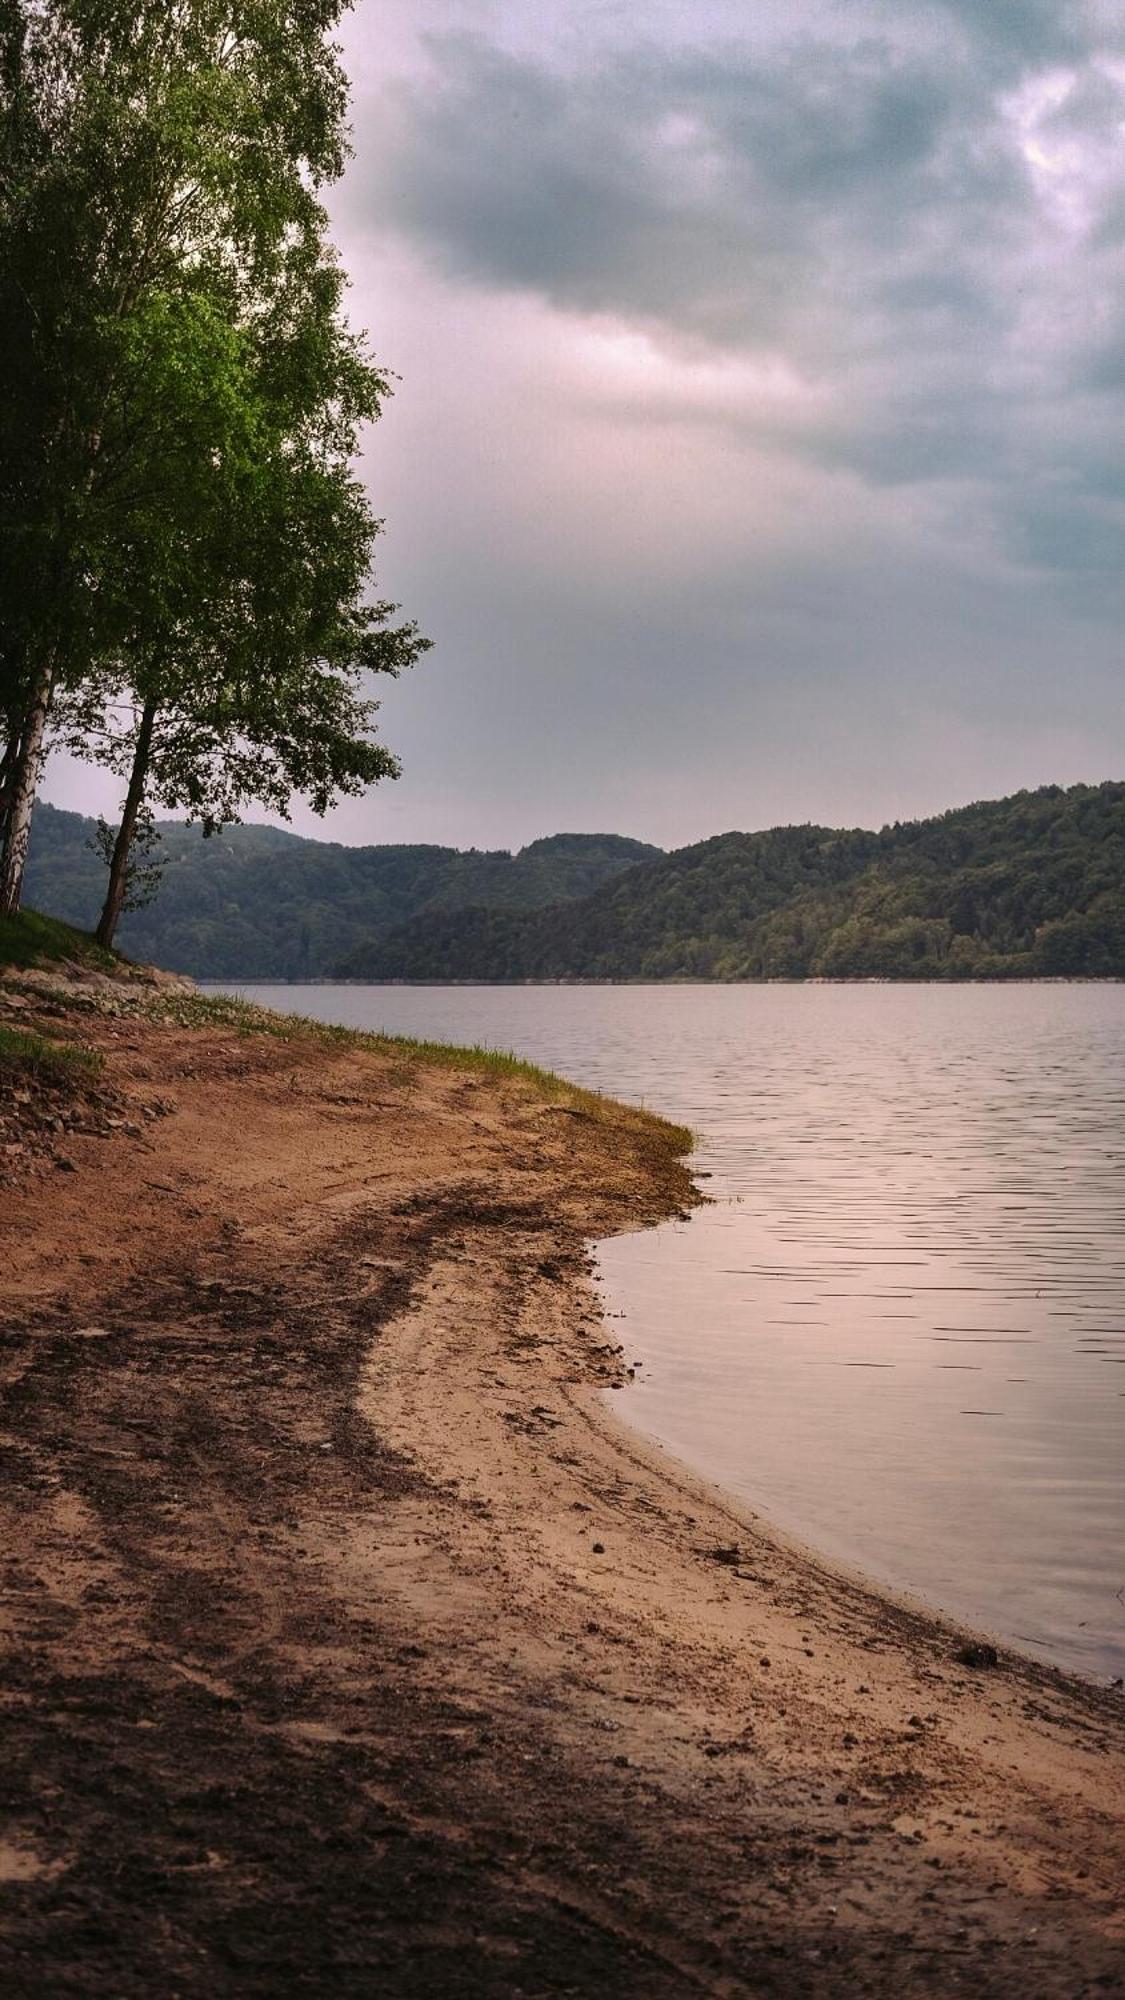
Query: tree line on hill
[
  {"x": 185, "y": 552},
  {"x": 1024, "y": 887},
  {"x": 1030, "y": 886},
  {"x": 258, "y": 902}
]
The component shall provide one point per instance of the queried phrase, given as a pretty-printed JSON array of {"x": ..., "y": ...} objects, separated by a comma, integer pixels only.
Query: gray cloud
[
  {"x": 716, "y": 197},
  {"x": 1022, "y": 34},
  {"x": 927, "y": 234}
]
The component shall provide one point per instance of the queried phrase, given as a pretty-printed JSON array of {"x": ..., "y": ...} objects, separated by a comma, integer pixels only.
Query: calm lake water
[{"x": 899, "y": 1330}]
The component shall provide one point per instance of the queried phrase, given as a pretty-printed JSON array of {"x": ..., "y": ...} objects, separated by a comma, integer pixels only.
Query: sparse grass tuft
[{"x": 25, "y": 1054}]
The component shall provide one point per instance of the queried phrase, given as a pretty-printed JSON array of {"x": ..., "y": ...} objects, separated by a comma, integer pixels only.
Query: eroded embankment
[{"x": 351, "y": 1647}]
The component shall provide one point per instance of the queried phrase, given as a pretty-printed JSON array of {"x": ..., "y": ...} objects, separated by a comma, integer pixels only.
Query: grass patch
[
  {"x": 243, "y": 1017},
  {"x": 29, "y": 939},
  {"x": 24, "y": 1054}
]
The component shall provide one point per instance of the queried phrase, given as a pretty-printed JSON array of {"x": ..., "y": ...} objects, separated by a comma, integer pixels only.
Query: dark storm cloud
[
  {"x": 710, "y": 196},
  {"x": 928, "y": 235}
]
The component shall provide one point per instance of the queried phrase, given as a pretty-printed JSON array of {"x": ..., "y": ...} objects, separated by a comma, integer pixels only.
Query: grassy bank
[
  {"x": 244, "y": 1017},
  {"x": 31, "y": 939},
  {"x": 25, "y": 1053},
  {"x": 30, "y": 942}
]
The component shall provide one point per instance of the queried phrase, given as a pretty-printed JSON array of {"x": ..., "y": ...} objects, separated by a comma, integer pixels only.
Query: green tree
[
  {"x": 244, "y": 560},
  {"x": 143, "y": 146}
]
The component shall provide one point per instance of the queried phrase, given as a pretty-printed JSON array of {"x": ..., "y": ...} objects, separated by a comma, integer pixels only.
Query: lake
[{"x": 898, "y": 1329}]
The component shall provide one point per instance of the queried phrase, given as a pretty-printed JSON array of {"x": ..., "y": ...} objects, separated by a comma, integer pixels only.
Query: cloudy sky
[{"x": 758, "y": 449}]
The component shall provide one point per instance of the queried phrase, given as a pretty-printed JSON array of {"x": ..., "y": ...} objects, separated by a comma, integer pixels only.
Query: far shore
[
  {"x": 1039, "y": 979},
  {"x": 353, "y": 1646}
]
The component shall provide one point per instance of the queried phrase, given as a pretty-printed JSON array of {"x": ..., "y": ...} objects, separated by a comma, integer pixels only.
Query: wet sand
[{"x": 351, "y": 1646}]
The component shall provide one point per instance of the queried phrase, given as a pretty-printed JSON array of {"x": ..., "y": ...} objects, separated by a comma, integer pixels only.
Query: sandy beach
[{"x": 352, "y": 1646}]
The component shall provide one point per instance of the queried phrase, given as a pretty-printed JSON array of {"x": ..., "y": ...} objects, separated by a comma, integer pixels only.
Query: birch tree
[
  {"x": 143, "y": 144},
  {"x": 247, "y": 636}
]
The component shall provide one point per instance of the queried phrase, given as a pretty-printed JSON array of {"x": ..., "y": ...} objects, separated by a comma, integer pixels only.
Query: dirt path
[{"x": 352, "y": 1648}]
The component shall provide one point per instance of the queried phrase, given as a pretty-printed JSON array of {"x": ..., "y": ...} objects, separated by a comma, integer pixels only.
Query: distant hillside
[
  {"x": 258, "y": 903},
  {"x": 1020, "y": 887}
]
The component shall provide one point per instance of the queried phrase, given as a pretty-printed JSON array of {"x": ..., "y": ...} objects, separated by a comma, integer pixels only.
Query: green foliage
[
  {"x": 1030, "y": 886},
  {"x": 185, "y": 552},
  {"x": 150, "y": 157},
  {"x": 243, "y": 561},
  {"x": 145, "y": 865},
  {"x": 259, "y": 903}
]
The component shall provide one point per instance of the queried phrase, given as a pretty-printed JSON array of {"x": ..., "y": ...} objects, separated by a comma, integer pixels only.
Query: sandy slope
[{"x": 351, "y": 1647}]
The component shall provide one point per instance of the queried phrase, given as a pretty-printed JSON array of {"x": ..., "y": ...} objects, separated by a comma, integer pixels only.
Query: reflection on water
[{"x": 900, "y": 1328}]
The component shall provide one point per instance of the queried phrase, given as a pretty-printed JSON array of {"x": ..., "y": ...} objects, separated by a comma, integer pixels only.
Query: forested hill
[
  {"x": 1030, "y": 885},
  {"x": 256, "y": 902},
  {"x": 1027, "y": 886}
]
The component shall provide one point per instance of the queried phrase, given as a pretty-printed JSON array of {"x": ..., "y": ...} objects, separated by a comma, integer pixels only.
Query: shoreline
[
  {"x": 850, "y": 1571},
  {"x": 351, "y": 1636},
  {"x": 236, "y": 984},
  {"x": 850, "y": 1575}
]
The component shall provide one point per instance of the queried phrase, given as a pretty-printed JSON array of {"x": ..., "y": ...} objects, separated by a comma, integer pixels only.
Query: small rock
[{"x": 599, "y": 1548}]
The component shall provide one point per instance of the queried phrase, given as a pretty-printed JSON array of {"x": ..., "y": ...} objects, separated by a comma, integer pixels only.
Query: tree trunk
[
  {"x": 26, "y": 769},
  {"x": 122, "y": 846},
  {"x": 9, "y": 758}
]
